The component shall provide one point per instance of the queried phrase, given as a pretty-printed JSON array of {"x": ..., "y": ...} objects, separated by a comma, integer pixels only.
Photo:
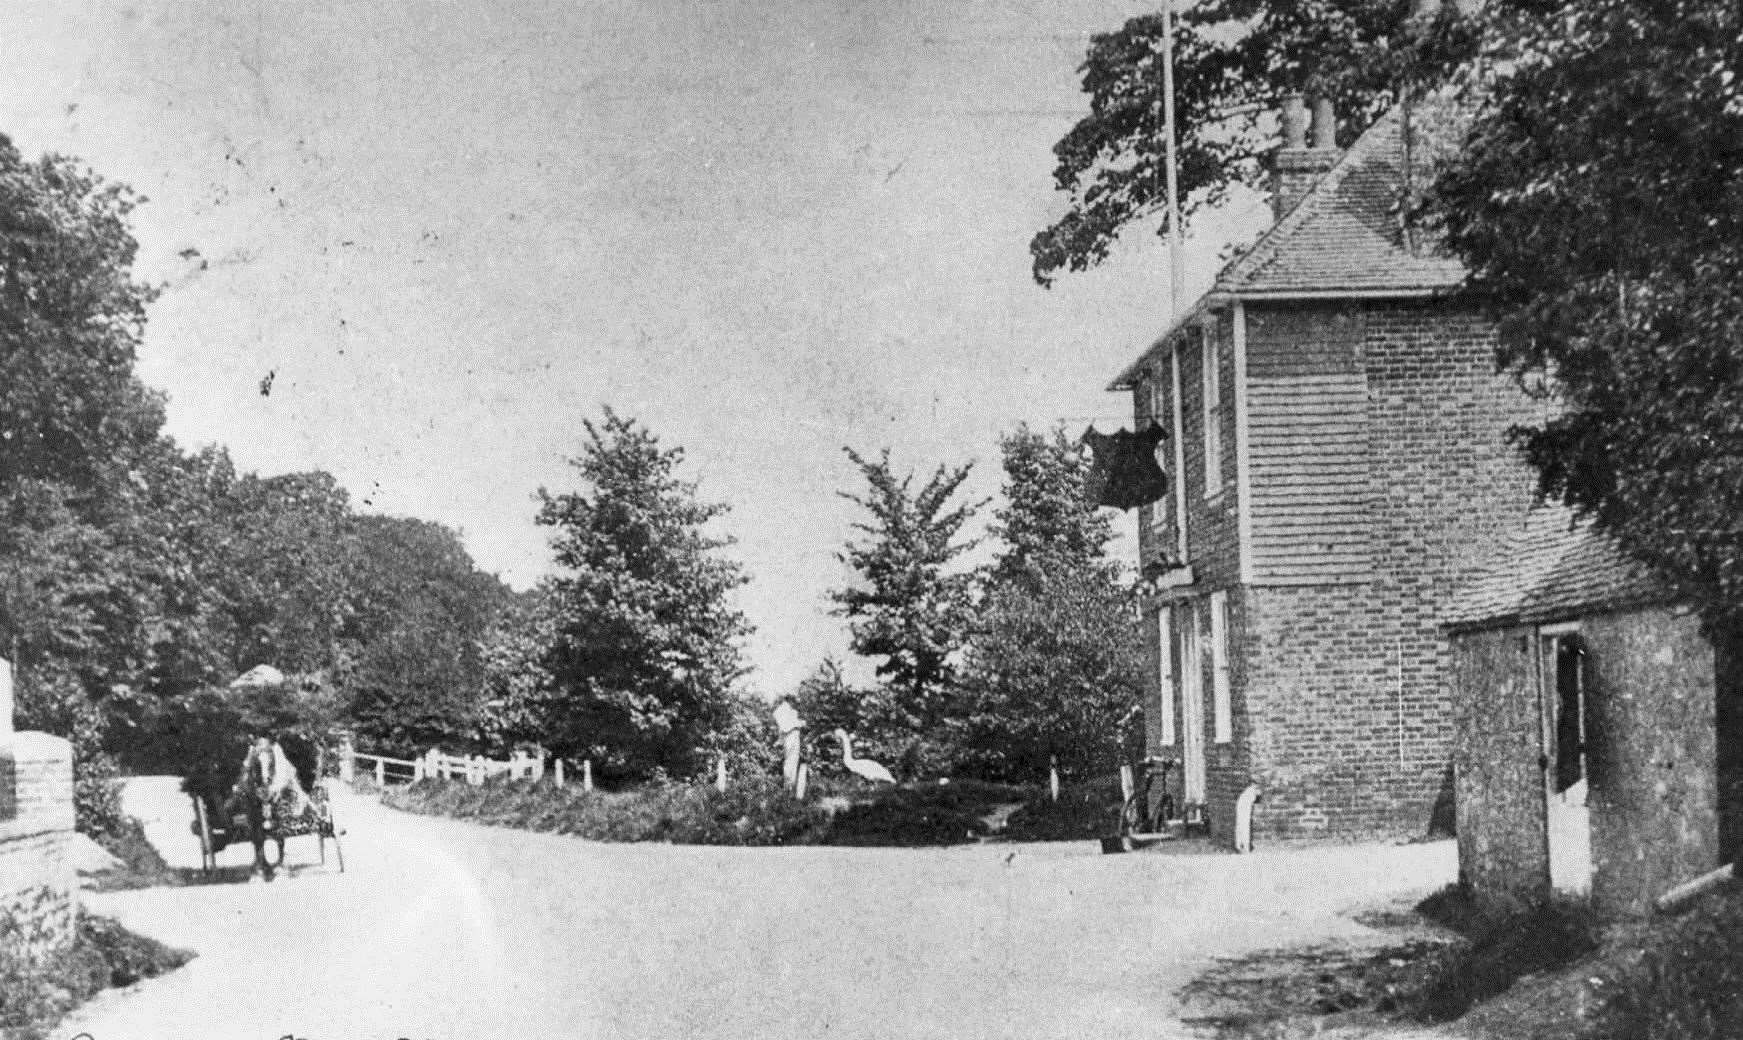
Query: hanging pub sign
[{"x": 1124, "y": 473}]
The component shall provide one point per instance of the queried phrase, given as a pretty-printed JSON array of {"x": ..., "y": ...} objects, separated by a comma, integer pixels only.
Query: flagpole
[{"x": 1176, "y": 268}]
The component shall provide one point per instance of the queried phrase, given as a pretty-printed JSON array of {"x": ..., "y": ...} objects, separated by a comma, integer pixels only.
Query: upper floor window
[
  {"x": 1213, "y": 413},
  {"x": 1159, "y": 413}
]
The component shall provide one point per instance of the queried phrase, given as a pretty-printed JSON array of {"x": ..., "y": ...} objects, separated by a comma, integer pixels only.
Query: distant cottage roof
[
  {"x": 1554, "y": 567},
  {"x": 259, "y": 675},
  {"x": 1341, "y": 240}
]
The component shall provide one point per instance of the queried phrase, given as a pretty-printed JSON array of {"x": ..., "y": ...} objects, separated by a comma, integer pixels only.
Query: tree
[
  {"x": 73, "y": 420},
  {"x": 1234, "y": 59},
  {"x": 1055, "y": 662},
  {"x": 909, "y": 608},
  {"x": 648, "y": 639},
  {"x": 423, "y": 613},
  {"x": 520, "y": 690},
  {"x": 71, "y": 317},
  {"x": 290, "y": 571},
  {"x": 1053, "y": 671},
  {"x": 1049, "y": 519},
  {"x": 1598, "y": 203}
]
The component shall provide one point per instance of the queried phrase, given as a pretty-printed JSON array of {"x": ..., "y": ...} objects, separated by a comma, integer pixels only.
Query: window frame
[
  {"x": 1159, "y": 411},
  {"x": 1221, "y": 699},
  {"x": 1165, "y": 674},
  {"x": 1211, "y": 394}
]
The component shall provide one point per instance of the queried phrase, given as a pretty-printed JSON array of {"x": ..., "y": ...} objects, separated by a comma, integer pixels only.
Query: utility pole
[{"x": 1176, "y": 265}]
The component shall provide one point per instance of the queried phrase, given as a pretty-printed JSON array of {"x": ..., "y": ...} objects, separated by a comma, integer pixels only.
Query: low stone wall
[{"x": 38, "y": 885}]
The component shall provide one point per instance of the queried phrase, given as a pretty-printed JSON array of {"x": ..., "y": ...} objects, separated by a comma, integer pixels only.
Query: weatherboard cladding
[
  {"x": 1307, "y": 442},
  {"x": 1553, "y": 567}
]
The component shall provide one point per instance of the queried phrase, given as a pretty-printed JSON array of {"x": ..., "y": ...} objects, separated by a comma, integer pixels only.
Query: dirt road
[{"x": 450, "y": 931}]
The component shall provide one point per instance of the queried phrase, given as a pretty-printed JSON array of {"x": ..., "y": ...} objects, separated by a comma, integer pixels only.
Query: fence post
[
  {"x": 800, "y": 781},
  {"x": 559, "y": 772},
  {"x": 1053, "y": 777},
  {"x": 347, "y": 759},
  {"x": 720, "y": 774},
  {"x": 587, "y": 774},
  {"x": 380, "y": 773},
  {"x": 475, "y": 771}
]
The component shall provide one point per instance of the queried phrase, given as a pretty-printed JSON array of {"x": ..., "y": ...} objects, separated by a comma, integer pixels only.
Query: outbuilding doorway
[{"x": 1566, "y": 772}]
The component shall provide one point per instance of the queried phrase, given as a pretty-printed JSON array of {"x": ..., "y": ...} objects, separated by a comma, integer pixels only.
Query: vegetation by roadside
[
  {"x": 752, "y": 811},
  {"x": 36, "y": 994},
  {"x": 1542, "y": 972},
  {"x": 1677, "y": 978},
  {"x": 1439, "y": 962}
]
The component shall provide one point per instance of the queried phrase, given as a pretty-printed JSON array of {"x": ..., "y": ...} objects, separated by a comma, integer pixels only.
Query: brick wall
[{"x": 37, "y": 880}]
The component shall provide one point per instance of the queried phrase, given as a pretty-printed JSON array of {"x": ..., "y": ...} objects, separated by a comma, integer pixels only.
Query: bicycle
[{"x": 1137, "y": 816}]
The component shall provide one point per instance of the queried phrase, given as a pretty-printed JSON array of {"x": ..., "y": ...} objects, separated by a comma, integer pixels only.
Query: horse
[{"x": 267, "y": 792}]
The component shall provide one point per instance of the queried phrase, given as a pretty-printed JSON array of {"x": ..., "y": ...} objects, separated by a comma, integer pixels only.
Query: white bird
[{"x": 864, "y": 767}]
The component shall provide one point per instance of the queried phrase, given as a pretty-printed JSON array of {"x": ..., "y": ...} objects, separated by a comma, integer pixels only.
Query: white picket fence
[{"x": 437, "y": 764}]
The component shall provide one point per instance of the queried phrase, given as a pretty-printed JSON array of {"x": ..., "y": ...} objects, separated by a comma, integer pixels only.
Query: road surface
[{"x": 444, "y": 930}]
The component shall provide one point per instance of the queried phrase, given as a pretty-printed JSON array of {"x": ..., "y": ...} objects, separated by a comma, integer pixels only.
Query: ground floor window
[
  {"x": 1165, "y": 674},
  {"x": 1222, "y": 713}
]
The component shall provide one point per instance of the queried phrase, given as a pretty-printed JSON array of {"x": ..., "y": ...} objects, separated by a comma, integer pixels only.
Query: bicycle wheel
[{"x": 1132, "y": 815}]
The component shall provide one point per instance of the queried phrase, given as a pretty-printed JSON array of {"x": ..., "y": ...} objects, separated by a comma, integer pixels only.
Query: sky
[{"x": 451, "y": 232}]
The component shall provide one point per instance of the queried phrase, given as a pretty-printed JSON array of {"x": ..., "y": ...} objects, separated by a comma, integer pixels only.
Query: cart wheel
[{"x": 208, "y": 856}]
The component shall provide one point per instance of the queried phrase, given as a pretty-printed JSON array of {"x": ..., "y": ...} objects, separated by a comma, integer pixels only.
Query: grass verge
[
  {"x": 35, "y": 994},
  {"x": 1442, "y": 961},
  {"x": 752, "y": 811}
]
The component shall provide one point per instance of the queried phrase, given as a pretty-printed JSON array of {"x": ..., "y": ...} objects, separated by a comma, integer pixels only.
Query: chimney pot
[
  {"x": 1294, "y": 121},
  {"x": 1325, "y": 137}
]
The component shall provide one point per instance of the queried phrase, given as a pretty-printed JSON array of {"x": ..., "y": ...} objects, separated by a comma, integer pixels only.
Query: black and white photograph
[{"x": 871, "y": 519}]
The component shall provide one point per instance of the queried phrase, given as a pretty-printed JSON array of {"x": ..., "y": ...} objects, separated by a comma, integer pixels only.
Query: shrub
[
  {"x": 34, "y": 995},
  {"x": 1080, "y": 813},
  {"x": 752, "y": 811}
]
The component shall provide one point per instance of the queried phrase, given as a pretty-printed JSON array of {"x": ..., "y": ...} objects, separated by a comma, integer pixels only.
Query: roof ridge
[{"x": 1266, "y": 246}]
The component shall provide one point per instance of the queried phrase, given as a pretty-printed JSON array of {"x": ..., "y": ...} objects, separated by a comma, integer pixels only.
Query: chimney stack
[{"x": 1298, "y": 164}]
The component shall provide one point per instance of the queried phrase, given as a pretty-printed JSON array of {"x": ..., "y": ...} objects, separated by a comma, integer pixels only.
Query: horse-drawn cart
[{"x": 232, "y": 820}]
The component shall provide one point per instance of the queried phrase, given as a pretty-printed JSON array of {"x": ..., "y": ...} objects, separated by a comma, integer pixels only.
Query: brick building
[{"x": 1337, "y": 446}]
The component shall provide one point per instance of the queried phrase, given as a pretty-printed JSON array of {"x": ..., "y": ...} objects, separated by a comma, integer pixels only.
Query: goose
[{"x": 863, "y": 767}]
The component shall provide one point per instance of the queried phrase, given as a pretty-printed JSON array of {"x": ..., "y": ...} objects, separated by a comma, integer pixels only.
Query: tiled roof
[
  {"x": 1344, "y": 234},
  {"x": 1554, "y": 567}
]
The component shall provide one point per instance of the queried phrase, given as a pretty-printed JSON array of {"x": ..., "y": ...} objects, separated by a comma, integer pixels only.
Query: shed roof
[{"x": 1553, "y": 567}]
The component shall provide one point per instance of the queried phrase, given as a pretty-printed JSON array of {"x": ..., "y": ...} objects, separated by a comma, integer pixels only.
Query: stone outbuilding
[{"x": 1586, "y": 748}]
